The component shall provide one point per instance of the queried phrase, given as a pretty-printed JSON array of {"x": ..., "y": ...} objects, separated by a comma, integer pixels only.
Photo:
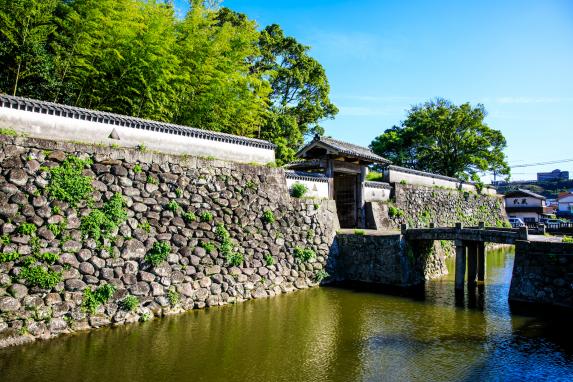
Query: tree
[
  {"x": 446, "y": 139},
  {"x": 25, "y": 26},
  {"x": 300, "y": 91}
]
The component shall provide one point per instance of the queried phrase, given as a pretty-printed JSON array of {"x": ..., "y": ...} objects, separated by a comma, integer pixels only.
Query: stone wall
[
  {"x": 266, "y": 229},
  {"x": 418, "y": 206},
  {"x": 543, "y": 274},
  {"x": 387, "y": 260}
]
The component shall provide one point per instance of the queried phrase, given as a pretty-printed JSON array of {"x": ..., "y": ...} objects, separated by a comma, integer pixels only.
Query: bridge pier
[
  {"x": 481, "y": 261},
  {"x": 460, "y": 264},
  {"x": 472, "y": 263}
]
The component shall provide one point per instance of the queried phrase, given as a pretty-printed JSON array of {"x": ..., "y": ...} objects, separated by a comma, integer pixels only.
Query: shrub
[
  {"x": 189, "y": 216},
  {"x": 48, "y": 257},
  {"x": 173, "y": 296},
  {"x": 9, "y": 256},
  {"x": 94, "y": 298},
  {"x": 320, "y": 275},
  {"x": 27, "y": 228},
  {"x": 234, "y": 259},
  {"x": 206, "y": 216},
  {"x": 303, "y": 254},
  {"x": 269, "y": 260},
  {"x": 395, "y": 212},
  {"x": 268, "y": 216},
  {"x": 209, "y": 247},
  {"x": 129, "y": 303},
  {"x": 173, "y": 206},
  {"x": 41, "y": 277},
  {"x": 158, "y": 253},
  {"x": 67, "y": 182},
  {"x": 567, "y": 239},
  {"x": 137, "y": 168},
  {"x": 298, "y": 190}
]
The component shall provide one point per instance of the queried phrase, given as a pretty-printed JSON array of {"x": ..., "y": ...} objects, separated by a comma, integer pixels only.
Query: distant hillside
[{"x": 548, "y": 189}]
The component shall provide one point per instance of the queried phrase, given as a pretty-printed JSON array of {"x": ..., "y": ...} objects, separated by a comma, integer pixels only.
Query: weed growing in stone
[
  {"x": 158, "y": 253},
  {"x": 567, "y": 239},
  {"x": 8, "y": 132},
  {"x": 151, "y": 180},
  {"x": 207, "y": 246},
  {"x": 173, "y": 296},
  {"x": 57, "y": 228},
  {"x": 67, "y": 182},
  {"x": 173, "y": 206},
  {"x": 9, "y": 256},
  {"x": 40, "y": 276},
  {"x": 206, "y": 216},
  {"x": 145, "y": 317},
  {"x": 48, "y": 257},
  {"x": 5, "y": 239},
  {"x": 179, "y": 192},
  {"x": 144, "y": 225},
  {"x": 129, "y": 303},
  {"x": 56, "y": 210},
  {"x": 269, "y": 260},
  {"x": 303, "y": 254},
  {"x": 298, "y": 190},
  {"x": 234, "y": 259},
  {"x": 320, "y": 275},
  {"x": 27, "y": 229},
  {"x": 100, "y": 223},
  {"x": 137, "y": 168},
  {"x": 310, "y": 234},
  {"x": 189, "y": 216},
  {"x": 268, "y": 216},
  {"x": 395, "y": 212},
  {"x": 359, "y": 232},
  {"x": 94, "y": 298}
]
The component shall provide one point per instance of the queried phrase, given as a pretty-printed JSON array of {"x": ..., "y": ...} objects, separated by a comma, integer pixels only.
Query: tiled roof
[
  {"x": 522, "y": 192},
  {"x": 345, "y": 148},
  {"x": 50, "y": 108}
]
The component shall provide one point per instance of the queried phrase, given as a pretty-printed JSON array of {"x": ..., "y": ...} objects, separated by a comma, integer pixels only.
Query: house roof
[
  {"x": 564, "y": 196},
  {"x": 521, "y": 192},
  {"x": 334, "y": 146}
]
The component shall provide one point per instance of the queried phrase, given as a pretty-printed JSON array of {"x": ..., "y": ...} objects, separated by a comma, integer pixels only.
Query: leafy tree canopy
[{"x": 446, "y": 139}]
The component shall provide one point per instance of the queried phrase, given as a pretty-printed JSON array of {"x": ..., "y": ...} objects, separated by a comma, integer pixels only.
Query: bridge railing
[{"x": 459, "y": 232}]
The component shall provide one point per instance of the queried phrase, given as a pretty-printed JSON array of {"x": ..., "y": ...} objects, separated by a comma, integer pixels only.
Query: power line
[{"x": 542, "y": 163}]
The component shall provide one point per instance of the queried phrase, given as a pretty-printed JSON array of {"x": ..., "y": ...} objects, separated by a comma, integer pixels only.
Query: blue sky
[{"x": 515, "y": 57}]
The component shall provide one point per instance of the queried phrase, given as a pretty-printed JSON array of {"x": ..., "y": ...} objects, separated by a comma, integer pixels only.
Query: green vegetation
[
  {"x": 100, "y": 223},
  {"x": 8, "y": 132},
  {"x": 173, "y": 206},
  {"x": 178, "y": 192},
  {"x": 403, "y": 182},
  {"x": 303, "y": 254},
  {"x": 269, "y": 260},
  {"x": 158, "y": 253},
  {"x": 234, "y": 259},
  {"x": 40, "y": 276},
  {"x": 189, "y": 216},
  {"x": 9, "y": 256},
  {"x": 173, "y": 296},
  {"x": 394, "y": 212},
  {"x": 210, "y": 68},
  {"x": 5, "y": 239},
  {"x": 48, "y": 257},
  {"x": 129, "y": 303},
  {"x": 359, "y": 232},
  {"x": 58, "y": 228},
  {"x": 320, "y": 275},
  {"x": 433, "y": 139},
  {"x": 144, "y": 225},
  {"x": 67, "y": 182},
  {"x": 137, "y": 168},
  {"x": 268, "y": 217},
  {"x": 92, "y": 299},
  {"x": 56, "y": 210},
  {"x": 207, "y": 246},
  {"x": 151, "y": 180},
  {"x": 298, "y": 190},
  {"x": 310, "y": 234},
  {"x": 374, "y": 176},
  {"x": 425, "y": 218},
  {"x": 27, "y": 229},
  {"x": 567, "y": 239},
  {"x": 206, "y": 216}
]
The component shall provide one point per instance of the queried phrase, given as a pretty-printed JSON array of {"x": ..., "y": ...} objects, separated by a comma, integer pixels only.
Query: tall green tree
[
  {"x": 446, "y": 139},
  {"x": 300, "y": 91},
  {"x": 219, "y": 91},
  {"x": 25, "y": 27}
]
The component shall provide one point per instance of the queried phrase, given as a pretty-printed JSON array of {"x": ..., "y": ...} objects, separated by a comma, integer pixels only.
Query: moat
[{"x": 322, "y": 334}]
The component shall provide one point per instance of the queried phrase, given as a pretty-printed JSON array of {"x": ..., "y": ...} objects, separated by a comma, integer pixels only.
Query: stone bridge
[{"x": 470, "y": 245}]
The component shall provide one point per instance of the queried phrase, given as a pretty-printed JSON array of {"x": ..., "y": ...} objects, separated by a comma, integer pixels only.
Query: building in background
[
  {"x": 565, "y": 205},
  {"x": 526, "y": 205},
  {"x": 553, "y": 176}
]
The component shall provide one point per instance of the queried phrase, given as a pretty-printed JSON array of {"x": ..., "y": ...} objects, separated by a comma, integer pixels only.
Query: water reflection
[{"x": 325, "y": 334}]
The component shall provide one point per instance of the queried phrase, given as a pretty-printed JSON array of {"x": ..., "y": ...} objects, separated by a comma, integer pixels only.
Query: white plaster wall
[
  {"x": 420, "y": 180},
  {"x": 523, "y": 215},
  {"x": 69, "y": 129},
  {"x": 529, "y": 202},
  {"x": 565, "y": 204},
  {"x": 372, "y": 194},
  {"x": 315, "y": 189}
]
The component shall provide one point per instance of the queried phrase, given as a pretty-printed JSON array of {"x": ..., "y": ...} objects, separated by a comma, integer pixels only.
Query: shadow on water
[{"x": 334, "y": 333}]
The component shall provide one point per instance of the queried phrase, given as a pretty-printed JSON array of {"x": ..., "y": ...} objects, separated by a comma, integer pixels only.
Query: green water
[{"x": 322, "y": 334}]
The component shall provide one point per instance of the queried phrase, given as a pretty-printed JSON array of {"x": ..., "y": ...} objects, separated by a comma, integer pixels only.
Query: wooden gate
[{"x": 345, "y": 196}]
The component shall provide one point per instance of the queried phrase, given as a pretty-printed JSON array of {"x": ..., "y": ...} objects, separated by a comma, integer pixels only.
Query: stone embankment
[{"x": 94, "y": 236}]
